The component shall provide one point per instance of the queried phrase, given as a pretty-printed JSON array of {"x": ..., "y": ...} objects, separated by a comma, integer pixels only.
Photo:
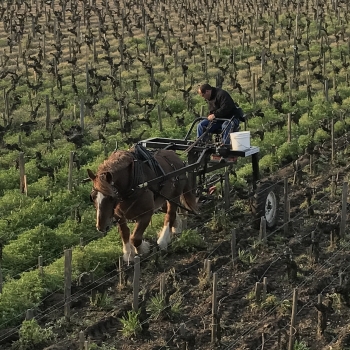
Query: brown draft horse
[{"x": 116, "y": 195}]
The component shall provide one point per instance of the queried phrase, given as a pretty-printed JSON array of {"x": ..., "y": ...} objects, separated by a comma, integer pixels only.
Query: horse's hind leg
[
  {"x": 164, "y": 237},
  {"x": 142, "y": 247},
  {"x": 128, "y": 248},
  {"x": 180, "y": 221}
]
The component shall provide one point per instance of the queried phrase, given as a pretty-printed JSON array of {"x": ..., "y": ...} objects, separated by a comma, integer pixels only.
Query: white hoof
[
  {"x": 128, "y": 252},
  {"x": 164, "y": 238},
  {"x": 144, "y": 248}
]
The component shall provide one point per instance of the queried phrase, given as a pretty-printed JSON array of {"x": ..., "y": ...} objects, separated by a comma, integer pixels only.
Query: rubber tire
[{"x": 258, "y": 203}]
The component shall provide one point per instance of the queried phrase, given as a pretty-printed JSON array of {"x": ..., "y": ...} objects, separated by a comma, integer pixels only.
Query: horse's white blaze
[
  {"x": 99, "y": 199},
  {"x": 128, "y": 252},
  {"x": 164, "y": 238},
  {"x": 144, "y": 248}
]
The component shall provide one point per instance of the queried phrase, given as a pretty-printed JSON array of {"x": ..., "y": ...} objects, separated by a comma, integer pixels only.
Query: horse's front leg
[
  {"x": 164, "y": 236},
  {"x": 128, "y": 248},
  {"x": 142, "y": 247}
]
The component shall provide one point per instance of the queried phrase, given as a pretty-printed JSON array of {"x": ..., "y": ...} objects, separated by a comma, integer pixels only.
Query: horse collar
[{"x": 122, "y": 196}]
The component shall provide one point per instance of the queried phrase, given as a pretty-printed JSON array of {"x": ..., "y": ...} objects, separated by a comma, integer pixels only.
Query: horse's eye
[{"x": 93, "y": 196}]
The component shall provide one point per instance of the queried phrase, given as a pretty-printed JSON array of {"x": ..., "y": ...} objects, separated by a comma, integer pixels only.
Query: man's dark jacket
[{"x": 221, "y": 104}]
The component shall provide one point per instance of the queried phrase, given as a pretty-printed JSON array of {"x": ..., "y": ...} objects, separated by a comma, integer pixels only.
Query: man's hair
[{"x": 204, "y": 87}]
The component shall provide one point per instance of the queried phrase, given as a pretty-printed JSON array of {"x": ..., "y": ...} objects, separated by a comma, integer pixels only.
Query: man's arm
[{"x": 227, "y": 106}]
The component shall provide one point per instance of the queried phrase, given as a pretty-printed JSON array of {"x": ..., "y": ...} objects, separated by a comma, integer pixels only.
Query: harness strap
[{"x": 141, "y": 153}]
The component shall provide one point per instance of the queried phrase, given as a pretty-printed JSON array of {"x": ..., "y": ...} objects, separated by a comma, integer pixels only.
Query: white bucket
[{"x": 240, "y": 140}]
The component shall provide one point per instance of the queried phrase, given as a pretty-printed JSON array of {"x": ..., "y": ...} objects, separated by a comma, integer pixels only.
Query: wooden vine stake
[
  {"x": 333, "y": 188},
  {"x": 227, "y": 190},
  {"x": 233, "y": 247},
  {"x": 22, "y": 176},
  {"x": 286, "y": 206},
  {"x": 87, "y": 81},
  {"x": 214, "y": 312},
  {"x": 322, "y": 315},
  {"x": 288, "y": 223},
  {"x": 121, "y": 272},
  {"x": 160, "y": 118},
  {"x": 162, "y": 286},
  {"x": 326, "y": 94},
  {"x": 1, "y": 277},
  {"x": 343, "y": 209},
  {"x": 254, "y": 88},
  {"x": 40, "y": 265},
  {"x": 262, "y": 61},
  {"x": 332, "y": 140},
  {"x": 264, "y": 289},
  {"x": 207, "y": 269},
  {"x": 47, "y": 121},
  {"x": 262, "y": 232},
  {"x": 82, "y": 115},
  {"x": 181, "y": 221},
  {"x": 293, "y": 320},
  {"x": 70, "y": 171},
  {"x": 67, "y": 282},
  {"x": 81, "y": 340},
  {"x": 136, "y": 284},
  {"x": 205, "y": 62},
  {"x": 289, "y": 125},
  {"x": 29, "y": 314}
]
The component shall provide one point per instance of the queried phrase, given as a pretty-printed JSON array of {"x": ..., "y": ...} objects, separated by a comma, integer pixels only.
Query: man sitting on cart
[{"x": 221, "y": 106}]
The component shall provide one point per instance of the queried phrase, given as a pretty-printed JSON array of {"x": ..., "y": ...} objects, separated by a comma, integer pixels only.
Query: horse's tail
[{"x": 189, "y": 199}]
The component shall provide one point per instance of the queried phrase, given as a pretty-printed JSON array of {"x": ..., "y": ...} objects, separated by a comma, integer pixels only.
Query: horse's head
[{"x": 105, "y": 198}]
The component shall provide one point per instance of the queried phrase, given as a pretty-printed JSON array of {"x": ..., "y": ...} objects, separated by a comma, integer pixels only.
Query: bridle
[{"x": 117, "y": 198}]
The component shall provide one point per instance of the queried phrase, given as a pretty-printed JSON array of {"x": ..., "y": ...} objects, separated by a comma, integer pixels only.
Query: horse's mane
[{"x": 117, "y": 161}]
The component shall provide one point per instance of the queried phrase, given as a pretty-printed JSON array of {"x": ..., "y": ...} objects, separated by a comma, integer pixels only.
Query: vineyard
[{"x": 83, "y": 78}]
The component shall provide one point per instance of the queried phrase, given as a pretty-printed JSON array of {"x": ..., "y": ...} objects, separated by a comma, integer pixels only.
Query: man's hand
[{"x": 211, "y": 116}]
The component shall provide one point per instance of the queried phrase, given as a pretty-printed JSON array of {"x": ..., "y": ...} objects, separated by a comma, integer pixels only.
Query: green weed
[
  {"x": 220, "y": 221},
  {"x": 246, "y": 257},
  {"x": 285, "y": 308},
  {"x": 131, "y": 324},
  {"x": 270, "y": 302},
  {"x": 156, "y": 306},
  {"x": 32, "y": 336},
  {"x": 101, "y": 300},
  {"x": 189, "y": 240},
  {"x": 300, "y": 345}
]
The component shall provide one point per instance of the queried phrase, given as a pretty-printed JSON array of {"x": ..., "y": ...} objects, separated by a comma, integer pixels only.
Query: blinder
[{"x": 116, "y": 197}]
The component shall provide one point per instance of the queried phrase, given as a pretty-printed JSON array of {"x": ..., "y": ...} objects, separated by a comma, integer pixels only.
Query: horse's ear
[
  {"x": 92, "y": 176},
  {"x": 109, "y": 177}
]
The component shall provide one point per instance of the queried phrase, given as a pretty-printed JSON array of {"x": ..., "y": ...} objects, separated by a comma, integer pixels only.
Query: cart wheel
[{"x": 265, "y": 204}]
